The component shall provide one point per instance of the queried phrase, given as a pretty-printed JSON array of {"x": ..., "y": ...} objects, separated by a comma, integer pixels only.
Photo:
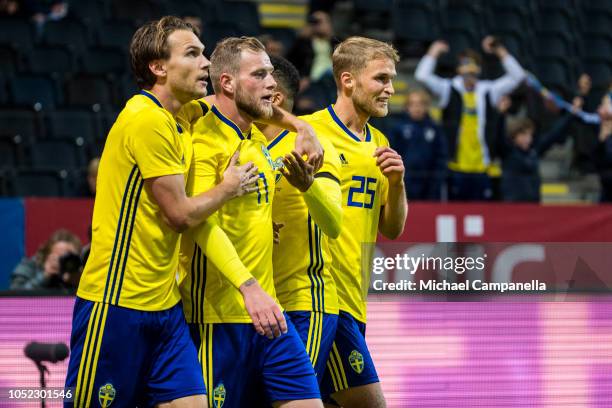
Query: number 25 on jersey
[{"x": 361, "y": 194}]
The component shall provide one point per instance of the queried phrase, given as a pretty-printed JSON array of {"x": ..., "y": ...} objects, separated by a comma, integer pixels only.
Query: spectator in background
[
  {"x": 11, "y": 8},
  {"x": 422, "y": 144},
  {"x": 274, "y": 48},
  {"x": 520, "y": 179},
  {"x": 312, "y": 51},
  {"x": 195, "y": 21},
  {"x": 603, "y": 152},
  {"x": 56, "y": 265},
  {"x": 465, "y": 100},
  {"x": 88, "y": 186},
  {"x": 584, "y": 135}
]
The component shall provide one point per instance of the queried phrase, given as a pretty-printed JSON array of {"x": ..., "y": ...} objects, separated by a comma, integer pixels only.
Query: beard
[
  {"x": 252, "y": 106},
  {"x": 367, "y": 104}
]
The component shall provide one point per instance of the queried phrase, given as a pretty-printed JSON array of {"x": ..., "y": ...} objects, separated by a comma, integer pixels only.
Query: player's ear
[
  {"x": 278, "y": 98},
  {"x": 347, "y": 80},
  {"x": 158, "y": 68},
  {"x": 227, "y": 83}
]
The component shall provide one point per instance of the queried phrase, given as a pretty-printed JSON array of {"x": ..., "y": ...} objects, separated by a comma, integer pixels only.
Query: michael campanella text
[{"x": 467, "y": 285}]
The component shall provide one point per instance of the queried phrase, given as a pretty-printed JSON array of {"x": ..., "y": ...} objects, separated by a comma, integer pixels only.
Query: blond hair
[
  {"x": 150, "y": 43},
  {"x": 353, "y": 54},
  {"x": 226, "y": 57}
]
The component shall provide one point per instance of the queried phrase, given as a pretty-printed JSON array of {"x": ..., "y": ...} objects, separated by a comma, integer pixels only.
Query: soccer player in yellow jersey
[
  {"x": 307, "y": 207},
  {"x": 237, "y": 363},
  {"x": 373, "y": 200},
  {"x": 130, "y": 345}
]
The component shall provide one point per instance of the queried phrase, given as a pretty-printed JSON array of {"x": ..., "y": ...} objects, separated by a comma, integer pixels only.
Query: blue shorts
[
  {"x": 131, "y": 357},
  {"x": 244, "y": 369},
  {"x": 317, "y": 331},
  {"x": 349, "y": 364}
]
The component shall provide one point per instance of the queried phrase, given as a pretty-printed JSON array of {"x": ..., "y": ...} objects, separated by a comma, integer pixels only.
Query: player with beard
[
  {"x": 237, "y": 363},
  {"x": 373, "y": 200}
]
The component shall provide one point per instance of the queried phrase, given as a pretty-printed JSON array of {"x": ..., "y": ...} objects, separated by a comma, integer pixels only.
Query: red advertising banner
[
  {"x": 507, "y": 223},
  {"x": 43, "y": 216}
]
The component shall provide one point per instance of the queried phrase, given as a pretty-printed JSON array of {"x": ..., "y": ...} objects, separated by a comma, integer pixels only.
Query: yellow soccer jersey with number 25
[{"x": 364, "y": 192}]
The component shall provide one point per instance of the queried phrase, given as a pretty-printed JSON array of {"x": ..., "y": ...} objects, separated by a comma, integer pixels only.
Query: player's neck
[
  {"x": 166, "y": 98},
  {"x": 229, "y": 109},
  {"x": 352, "y": 117},
  {"x": 269, "y": 131}
]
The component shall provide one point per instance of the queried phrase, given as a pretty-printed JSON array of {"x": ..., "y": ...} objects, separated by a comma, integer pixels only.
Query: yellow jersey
[
  {"x": 134, "y": 255},
  {"x": 470, "y": 158},
  {"x": 364, "y": 192},
  {"x": 301, "y": 259},
  {"x": 208, "y": 297}
]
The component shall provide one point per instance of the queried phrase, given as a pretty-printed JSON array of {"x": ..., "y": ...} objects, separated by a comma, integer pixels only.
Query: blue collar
[
  {"x": 278, "y": 138},
  {"x": 158, "y": 103},
  {"x": 368, "y": 135},
  {"x": 229, "y": 123}
]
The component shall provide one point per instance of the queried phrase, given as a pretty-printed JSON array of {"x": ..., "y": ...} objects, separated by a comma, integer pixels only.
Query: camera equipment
[{"x": 70, "y": 263}]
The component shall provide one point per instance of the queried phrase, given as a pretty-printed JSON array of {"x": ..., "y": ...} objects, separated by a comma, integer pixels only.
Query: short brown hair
[
  {"x": 520, "y": 126},
  {"x": 61, "y": 235},
  {"x": 226, "y": 57},
  {"x": 354, "y": 53},
  {"x": 150, "y": 42}
]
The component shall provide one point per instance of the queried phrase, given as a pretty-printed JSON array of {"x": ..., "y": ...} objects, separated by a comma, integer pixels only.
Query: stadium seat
[
  {"x": 509, "y": 21},
  {"x": 70, "y": 125},
  {"x": 88, "y": 91},
  {"x": 243, "y": 14},
  {"x": 17, "y": 33},
  {"x": 553, "y": 73},
  {"x": 49, "y": 60},
  {"x": 115, "y": 33},
  {"x": 57, "y": 154},
  {"x": 598, "y": 48},
  {"x": 373, "y": 14},
  {"x": 33, "y": 91},
  {"x": 206, "y": 10},
  {"x": 126, "y": 89},
  {"x": 551, "y": 46},
  {"x": 596, "y": 23},
  {"x": 523, "y": 7},
  {"x": 600, "y": 72},
  {"x": 214, "y": 32},
  {"x": 21, "y": 123},
  {"x": 9, "y": 60},
  {"x": 554, "y": 21},
  {"x": 69, "y": 33},
  {"x": 413, "y": 20},
  {"x": 91, "y": 13},
  {"x": 139, "y": 11},
  {"x": 462, "y": 18},
  {"x": 3, "y": 90},
  {"x": 11, "y": 153},
  {"x": 37, "y": 183},
  {"x": 99, "y": 60}
]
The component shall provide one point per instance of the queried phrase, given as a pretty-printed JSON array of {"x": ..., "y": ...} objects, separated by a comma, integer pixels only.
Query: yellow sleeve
[
  {"x": 153, "y": 144},
  {"x": 220, "y": 251},
  {"x": 324, "y": 201}
]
